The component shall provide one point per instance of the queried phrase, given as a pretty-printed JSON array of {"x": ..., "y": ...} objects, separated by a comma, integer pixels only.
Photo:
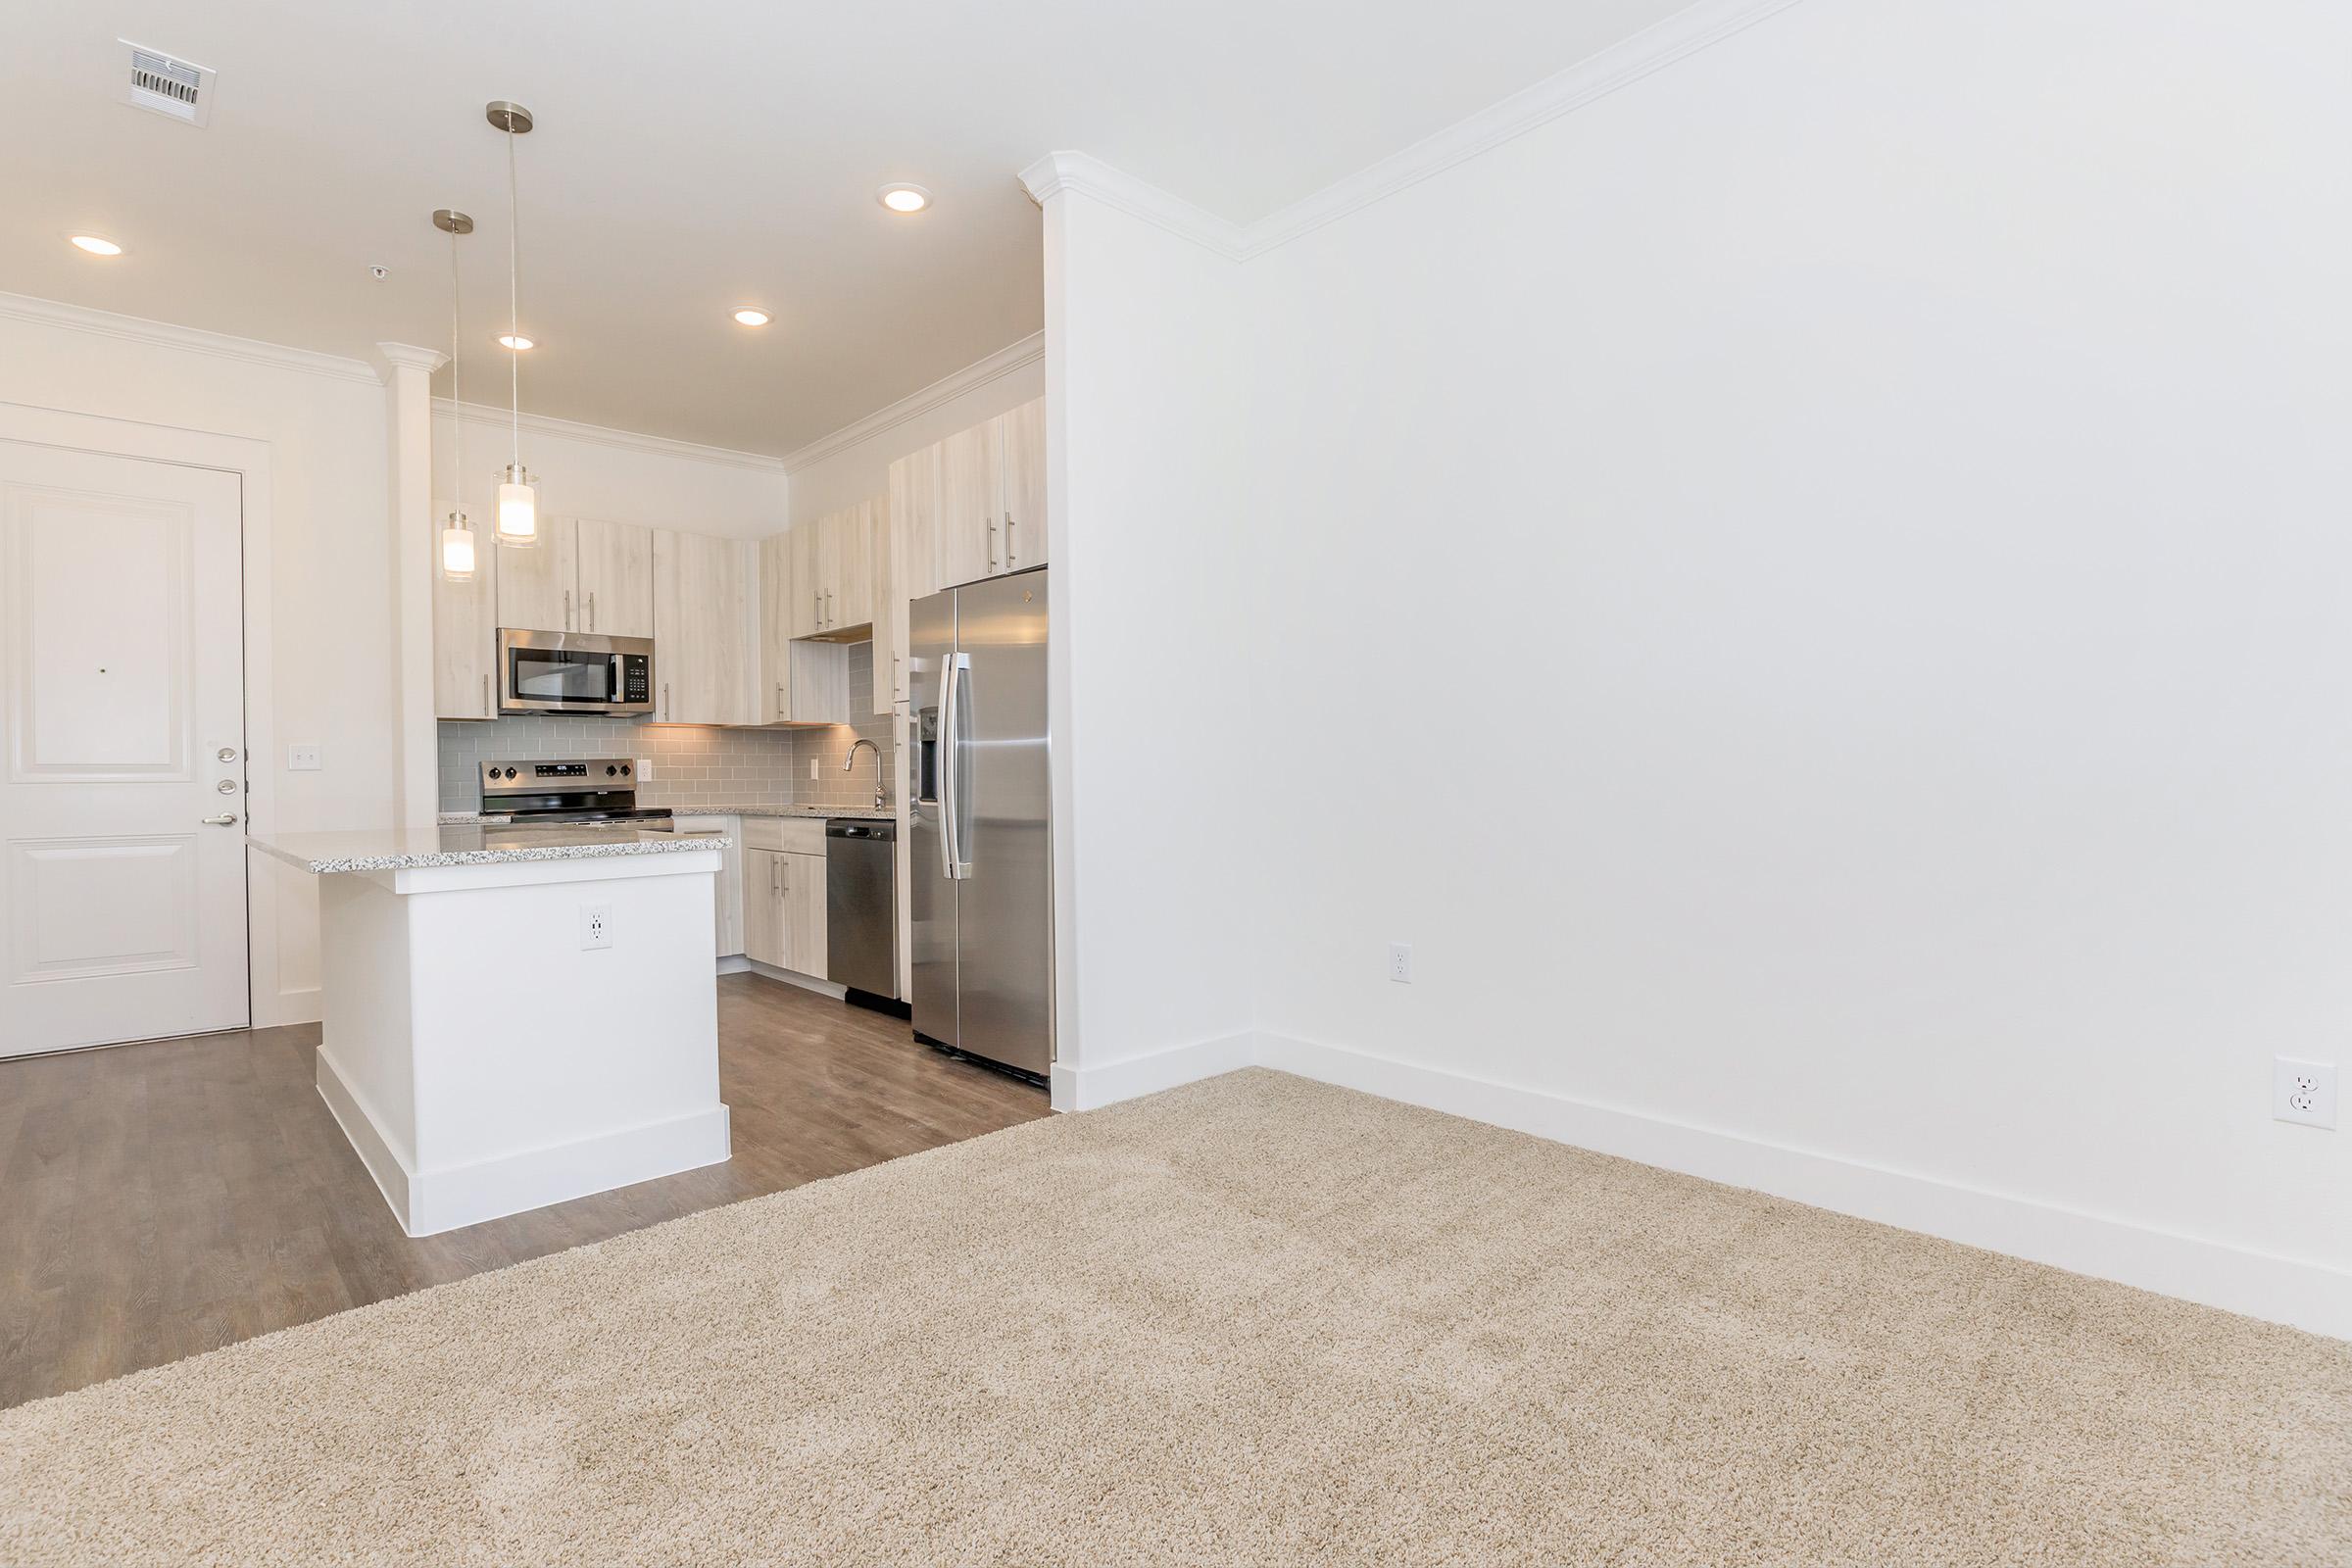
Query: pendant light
[
  {"x": 517, "y": 502},
  {"x": 456, "y": 534}
]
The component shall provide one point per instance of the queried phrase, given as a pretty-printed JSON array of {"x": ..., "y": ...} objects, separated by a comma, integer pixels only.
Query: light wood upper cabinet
[
  {"x": 846, "y": 560},
  {"x": 614, "y": 593},
  {"x": 804, "y": 547},
  {"x": 992, "y": 496},
  {"x": 582, "y": 576},
  {"x": 968, "y": 492},
  {"x": 1023, "y": 437},
  {"x": 913, "y": 508},
  {"x": 536, "y": 582},
  {"x": 465, "y": 630},
  {"x": 705, "y": 628},
  {"x": 884, "y": 692},
  {"x": 800, "y": 682}
]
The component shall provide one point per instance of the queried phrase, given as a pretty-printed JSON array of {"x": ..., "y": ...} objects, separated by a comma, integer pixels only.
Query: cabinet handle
[
  {"x": 819, "y": 597},
  {"x": 1007, "y": 538},
  {"x": 568, "y": 609},
  {"x": 666, "y": 698},
  {"x": 779, "y": 699},
  {"x": 485, "y": 694},
  {"x": 830, "y": 620},
  {"x": 592, "y": 603},
  {"x": 992, "y": 542},
  {"x": 894, "y": 676}
]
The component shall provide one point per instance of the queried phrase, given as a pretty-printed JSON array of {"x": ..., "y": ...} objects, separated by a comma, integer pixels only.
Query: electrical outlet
[
  {"x": 1401, "y": 962},
  {"x": 812, "y": 767},
  {"x": 596, "y": 925},
  {"x": 645, "y": 768},
  {"x": 2303, "y": 1092},
  {"x": 304, "y": 757}
]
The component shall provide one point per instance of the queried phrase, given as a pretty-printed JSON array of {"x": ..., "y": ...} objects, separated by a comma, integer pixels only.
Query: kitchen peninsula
[{"x": 516, "y": 1016}]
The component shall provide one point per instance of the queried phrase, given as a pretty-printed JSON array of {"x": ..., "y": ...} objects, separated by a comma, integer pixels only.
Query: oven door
[{"x": 573, "y": 673}]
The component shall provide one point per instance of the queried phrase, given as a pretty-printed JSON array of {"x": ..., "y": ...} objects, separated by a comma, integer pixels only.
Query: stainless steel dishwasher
[{"x": 861, "y": 904}]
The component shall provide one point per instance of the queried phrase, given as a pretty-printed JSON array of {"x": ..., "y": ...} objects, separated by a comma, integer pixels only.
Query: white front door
[{"x": 121, "y": 706}]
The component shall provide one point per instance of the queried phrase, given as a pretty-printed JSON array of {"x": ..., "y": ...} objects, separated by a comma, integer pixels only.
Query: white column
[{"x": 413, "y": 532}]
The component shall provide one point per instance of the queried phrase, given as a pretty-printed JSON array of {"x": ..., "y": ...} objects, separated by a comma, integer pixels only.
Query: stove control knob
[
  {"x": 609, "y": 770},
  {"x": 510, "y": 773},
  {"x": 625, "y": 771}
]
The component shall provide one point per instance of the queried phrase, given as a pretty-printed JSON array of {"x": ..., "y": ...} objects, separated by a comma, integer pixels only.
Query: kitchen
[{"x": 783, "y": 700}]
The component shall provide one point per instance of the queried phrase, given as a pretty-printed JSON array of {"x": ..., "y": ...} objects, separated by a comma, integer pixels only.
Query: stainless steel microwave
[{"x": 573, "y": 673}]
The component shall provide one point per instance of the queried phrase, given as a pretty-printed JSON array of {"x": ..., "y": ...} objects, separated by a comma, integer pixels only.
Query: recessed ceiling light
[
  {"x": 96, "y": 245},
  {"x": 906, "y": 198},
  {"x": 753, "y": 315},
  {"x": 506, "y": 342}
]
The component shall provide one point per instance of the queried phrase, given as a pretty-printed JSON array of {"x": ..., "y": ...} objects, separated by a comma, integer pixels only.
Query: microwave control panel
[{"x": 636, "y": 680}]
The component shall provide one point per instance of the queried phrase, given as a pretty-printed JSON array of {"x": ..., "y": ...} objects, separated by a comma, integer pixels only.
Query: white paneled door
[{"x": 121, "y": 699}]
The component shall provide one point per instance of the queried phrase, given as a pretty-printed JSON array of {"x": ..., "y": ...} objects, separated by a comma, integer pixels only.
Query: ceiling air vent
[{"x": 168, "y": 85}]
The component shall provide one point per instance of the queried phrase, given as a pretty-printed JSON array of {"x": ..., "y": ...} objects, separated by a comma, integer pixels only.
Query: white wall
[
  {"x": 328, "y": 609},
  {"x": 1150, "y": 651},
  {"x": 1810, "y": 589},
  {"x": 853, "y": 464},
  {"x": 613, "y": 475}
]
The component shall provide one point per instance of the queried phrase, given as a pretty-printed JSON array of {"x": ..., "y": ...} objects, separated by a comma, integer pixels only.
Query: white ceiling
[{"x": 693, "y": 156}]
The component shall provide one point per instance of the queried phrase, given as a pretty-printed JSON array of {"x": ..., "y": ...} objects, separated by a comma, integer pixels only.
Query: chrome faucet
[{"x": 881, "y": 795}]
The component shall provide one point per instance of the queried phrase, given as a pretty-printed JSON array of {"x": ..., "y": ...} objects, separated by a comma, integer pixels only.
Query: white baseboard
[
  {"x": 385, "y": 1161},
  {"x": 2308, "y": 1294},
  {"x": 2280, "y": 1290},
  {"x": 1088, "y": 1087},
  {"x": 428, "y": 1202}
]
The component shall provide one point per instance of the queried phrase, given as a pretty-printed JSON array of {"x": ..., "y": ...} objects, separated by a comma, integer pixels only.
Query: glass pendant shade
[
  {"x": 518, "y": 509},
  {"x": 457, "y": 548}
]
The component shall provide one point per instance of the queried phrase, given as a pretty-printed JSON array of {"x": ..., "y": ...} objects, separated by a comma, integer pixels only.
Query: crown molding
[
  {"x": 186, "y": 339},
  {"x": 1621, "y": 64},
  {"x": 1005, "y": 360},
  {"x": 1090, "y": 176},
  {"x": 1683, "y": 34},
  {"x": 483, "y": 417},
  {"x": 391, "y": 357}
]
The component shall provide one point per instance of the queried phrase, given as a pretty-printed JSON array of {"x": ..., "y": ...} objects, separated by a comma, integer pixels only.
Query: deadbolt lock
[
  {"x": 227, "y": 786},
  {"x": 226, "y": 754}
]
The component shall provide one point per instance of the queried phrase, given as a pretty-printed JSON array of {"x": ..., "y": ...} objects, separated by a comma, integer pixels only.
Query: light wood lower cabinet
[
  {"x": 706, "y": 607},
  {"x": 804, "y": 914},
  {"x": 764, "y": 907},
  {"x": 784, "y": 898},
  {"x": 726, "y": 893},
  {"x": 465, "y": 630}
]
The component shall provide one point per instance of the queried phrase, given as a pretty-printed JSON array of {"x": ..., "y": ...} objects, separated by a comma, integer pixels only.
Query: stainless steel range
[{"x": 602, "y": 790}]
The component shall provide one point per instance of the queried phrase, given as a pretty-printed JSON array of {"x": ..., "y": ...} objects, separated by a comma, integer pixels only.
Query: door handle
[
  {"x": 956, "y": 673},
  {"x": 224, "y": 819}
]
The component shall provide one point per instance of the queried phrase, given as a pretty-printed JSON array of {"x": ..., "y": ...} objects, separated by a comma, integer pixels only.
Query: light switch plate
[{"x": 304, "y": 757}]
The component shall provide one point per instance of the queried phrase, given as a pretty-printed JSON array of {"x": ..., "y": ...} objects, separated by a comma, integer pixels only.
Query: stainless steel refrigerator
[{"x": 982, "y": 871}]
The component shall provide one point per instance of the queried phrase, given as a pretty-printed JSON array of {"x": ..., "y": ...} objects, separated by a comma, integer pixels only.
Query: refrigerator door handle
[{"x": 954, "y": 683}]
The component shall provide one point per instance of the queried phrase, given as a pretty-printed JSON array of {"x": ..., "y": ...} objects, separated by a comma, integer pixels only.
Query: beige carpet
[{"x": 1256, "y": 1320}]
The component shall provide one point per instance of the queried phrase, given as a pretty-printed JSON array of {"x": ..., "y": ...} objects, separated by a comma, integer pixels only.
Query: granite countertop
[
  {"x": 864, "y": 814},
  {"x": 469, "y": 844}
]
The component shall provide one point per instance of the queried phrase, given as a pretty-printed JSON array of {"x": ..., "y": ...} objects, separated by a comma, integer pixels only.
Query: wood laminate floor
[{"x": 161, "y": 1200}]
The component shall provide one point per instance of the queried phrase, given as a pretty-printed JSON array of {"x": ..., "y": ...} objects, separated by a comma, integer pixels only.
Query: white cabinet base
[{"x": 483, "y": 1062}]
